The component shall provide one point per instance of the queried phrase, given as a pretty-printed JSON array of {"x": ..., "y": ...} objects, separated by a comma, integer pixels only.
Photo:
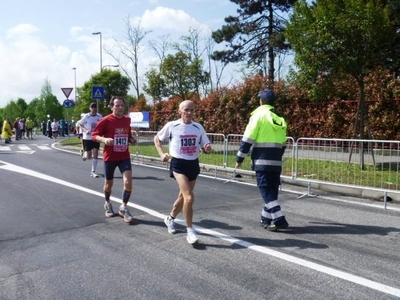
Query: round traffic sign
[{"x": 68, "y": 103}]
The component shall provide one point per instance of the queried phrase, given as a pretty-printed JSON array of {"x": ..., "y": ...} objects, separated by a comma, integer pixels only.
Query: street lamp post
[
  {"x": 111, "y": 66},
  {"x": 101, "y": 49},
  {"x": 76, "y": 102},
  {"x": 101, "y": 60}
]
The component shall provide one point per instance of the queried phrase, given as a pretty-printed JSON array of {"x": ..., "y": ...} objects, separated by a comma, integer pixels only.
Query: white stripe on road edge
[{"x": 302, "y": 262}]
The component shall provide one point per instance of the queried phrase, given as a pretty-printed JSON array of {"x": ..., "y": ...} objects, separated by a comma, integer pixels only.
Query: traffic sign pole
[{"x": 68, "y": 104}]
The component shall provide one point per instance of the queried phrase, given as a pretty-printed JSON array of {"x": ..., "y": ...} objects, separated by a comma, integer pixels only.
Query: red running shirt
[{"x": 118, "y": 129}]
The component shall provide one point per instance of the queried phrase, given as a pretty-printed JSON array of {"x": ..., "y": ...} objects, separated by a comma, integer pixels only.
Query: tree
[
  {"x": 255, "y": 34},
  {"x": 114, "y": 83},
  {"x": 155, "y": 86},
  {"x": 48, "y": 104},
  {"x": 191, "y": 46},
  {"x": 394, "y": 14},
  {"x": 336, "y": 38},
  {"x": 130, "y": 53},
  {"x": 31, "y": 109},
  {"x": 12, "y": 110},
  {"x": 161, "y": 47},
  {"x": 179, "y": 76}
]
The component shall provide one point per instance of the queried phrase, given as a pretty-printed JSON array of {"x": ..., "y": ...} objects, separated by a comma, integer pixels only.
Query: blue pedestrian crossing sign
[{"x": 98, "y": 92}]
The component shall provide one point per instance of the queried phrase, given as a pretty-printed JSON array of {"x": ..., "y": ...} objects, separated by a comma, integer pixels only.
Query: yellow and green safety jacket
[{"x": 266, "y": 132}]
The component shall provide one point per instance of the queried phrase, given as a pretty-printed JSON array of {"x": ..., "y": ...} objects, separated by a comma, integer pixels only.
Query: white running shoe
[
  {"x": 94, "y": 174},
  {"x": 108, "y": 209},
  {"x": 124, "y": 212},
  {"x": 192, "y": 237},
  {"x": 170, "y": 224}
]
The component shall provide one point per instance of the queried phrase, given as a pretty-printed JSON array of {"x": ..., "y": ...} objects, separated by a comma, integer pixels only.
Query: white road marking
[
  {"x": 290, "y": 258},
  {"x": 24, "y": 148},
  {"x": 43, "y": 147},
  {"x": 26, "y": 152}
]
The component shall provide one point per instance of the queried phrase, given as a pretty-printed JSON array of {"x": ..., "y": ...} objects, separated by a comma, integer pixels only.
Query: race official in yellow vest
[{"x": 266, "y": 133}]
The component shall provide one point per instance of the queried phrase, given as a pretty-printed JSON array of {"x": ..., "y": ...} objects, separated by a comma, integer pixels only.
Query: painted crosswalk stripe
[
  {"x": 44, "y": 147},
  {"x": 22, "y": 147},
  {"x": 6, "y": 148}
]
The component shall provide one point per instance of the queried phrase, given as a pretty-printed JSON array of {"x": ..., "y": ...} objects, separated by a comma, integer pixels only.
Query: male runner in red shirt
[{"x": 114, "y": 131}]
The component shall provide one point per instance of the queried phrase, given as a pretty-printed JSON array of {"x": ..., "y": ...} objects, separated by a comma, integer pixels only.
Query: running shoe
[
  {"x": 82, "y": 153},
  {"x": 109, "y": 210},
  {"x": 276, "y": 225},
  {"x": 192, "y": 237},
  {"x": 124, "y": 212},
  {"x": 94, "y": 174},
  {"x": 170, "y": 224}
]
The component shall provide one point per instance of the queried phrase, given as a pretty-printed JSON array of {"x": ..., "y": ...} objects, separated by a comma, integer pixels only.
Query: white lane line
[{"x": 290, "y": 258}]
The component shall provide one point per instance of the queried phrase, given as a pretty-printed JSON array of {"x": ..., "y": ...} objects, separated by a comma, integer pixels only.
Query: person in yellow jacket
[
  {"x": 266, "y": 133},
  {"x": 29, "y": 128},
  {"x": 7, "y": 131}
]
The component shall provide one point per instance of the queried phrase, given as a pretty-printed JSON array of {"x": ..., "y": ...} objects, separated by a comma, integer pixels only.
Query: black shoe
[{"x": 280, "y": 224}]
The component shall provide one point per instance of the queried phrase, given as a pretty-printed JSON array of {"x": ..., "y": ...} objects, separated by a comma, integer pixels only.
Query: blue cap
[{"x": 267, "y": 95}]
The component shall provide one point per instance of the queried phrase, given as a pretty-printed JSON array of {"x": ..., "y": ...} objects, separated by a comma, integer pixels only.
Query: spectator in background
[
  {"x": 49, "y": 130},
  {"x": 7, "y": 131},
  {"x": 21, "y": 128},
  {"x": 55, "y": 127},
  {"x": 44, "y": 125},
  {"x": 62, "y": 127},
  {"x": 16, "y": 129},
  {"x": 29, "y": 128}
]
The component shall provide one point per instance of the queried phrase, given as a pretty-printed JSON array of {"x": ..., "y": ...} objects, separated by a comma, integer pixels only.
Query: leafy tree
[
  {"x": 48, "y": 104},
  {"x": 114, "y": 83},
  {"x": 394, "y": 48},
  {"x": 155, "y": 86},
  {"x": 336, "y": 38},
  {"x": 31, "y": 108},
  {"x": 192, "y": 44},
  {"x": 12, "y": 110},
  {"x": 254, "y": 34},
  {"x": 179, "y": 76},
  {"x": 22, "y": 103}
]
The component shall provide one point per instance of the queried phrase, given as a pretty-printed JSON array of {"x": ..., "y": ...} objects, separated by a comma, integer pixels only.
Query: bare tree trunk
[
  {"x": 131, "y": 53},
  {"x": 271, "y": 56}
]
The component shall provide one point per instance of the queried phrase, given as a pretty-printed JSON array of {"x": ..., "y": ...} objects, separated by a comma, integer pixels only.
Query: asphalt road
[{"x": 55, "y": 242}]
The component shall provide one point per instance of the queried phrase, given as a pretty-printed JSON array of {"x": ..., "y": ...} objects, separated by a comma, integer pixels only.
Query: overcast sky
[{"x": 46, "y": 39}]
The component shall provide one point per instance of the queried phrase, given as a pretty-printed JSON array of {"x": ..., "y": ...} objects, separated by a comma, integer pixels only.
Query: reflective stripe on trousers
[{"x": 268, "y": 184}]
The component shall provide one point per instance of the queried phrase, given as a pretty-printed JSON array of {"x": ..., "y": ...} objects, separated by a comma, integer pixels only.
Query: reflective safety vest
[{"x": 266, "y": 132}]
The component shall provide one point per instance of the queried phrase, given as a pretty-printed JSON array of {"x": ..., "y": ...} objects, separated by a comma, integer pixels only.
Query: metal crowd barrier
[
  {"x": 345, "y": 163},
  {"x": 349, "y": 163}
]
